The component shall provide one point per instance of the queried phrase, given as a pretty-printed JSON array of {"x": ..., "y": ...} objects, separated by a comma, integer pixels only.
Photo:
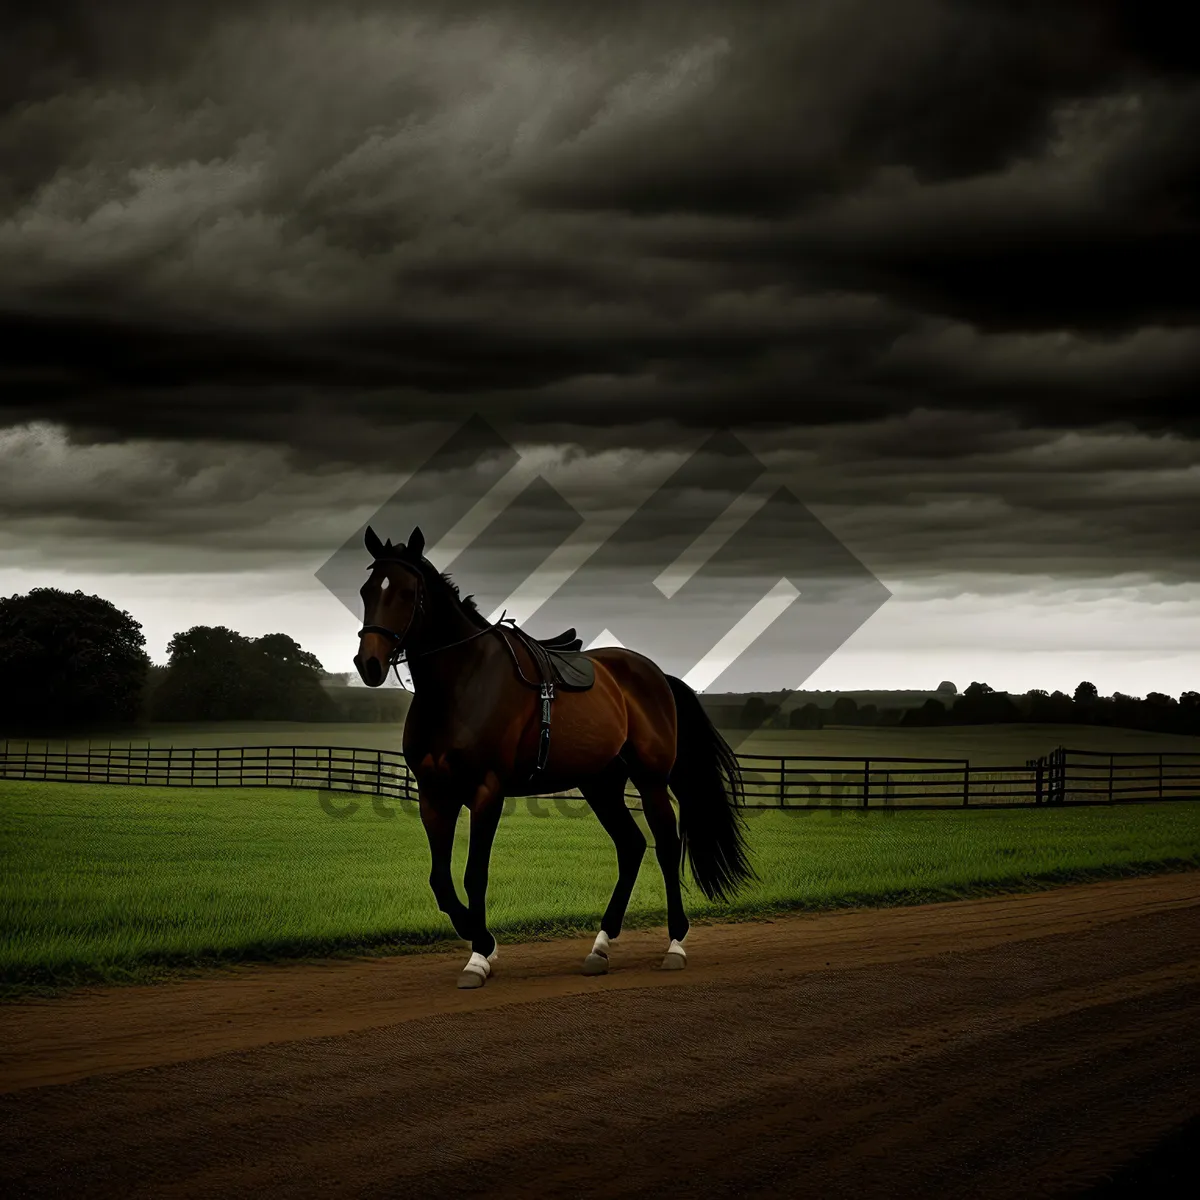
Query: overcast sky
[{"x": 931, "y": 261}]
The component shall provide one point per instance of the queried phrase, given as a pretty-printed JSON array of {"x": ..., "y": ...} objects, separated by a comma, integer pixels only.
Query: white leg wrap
[
  {"x": 478, "y": 965},
  {"x": 601, "y": 944},
  {"x": 676, "y": 947}
]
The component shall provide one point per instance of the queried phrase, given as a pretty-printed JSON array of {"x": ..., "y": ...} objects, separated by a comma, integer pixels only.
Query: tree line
[
  {"x": 72, "y": 661},
  {"x": 984, "y": 705}
]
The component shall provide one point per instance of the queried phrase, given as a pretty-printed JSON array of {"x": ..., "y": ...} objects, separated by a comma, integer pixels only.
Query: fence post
[
  {"x": 1110, "y": 778},
  {"x": 782, "y": 782},
  {"x": 866, "y": 781},
  {"x": 966, "y": 782},
  {"x": 329, "y": 767},
  {"x": 1160, "y": 783}
]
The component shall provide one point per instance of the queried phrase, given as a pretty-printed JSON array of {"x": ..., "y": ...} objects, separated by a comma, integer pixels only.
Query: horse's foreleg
[
  {"x": 439, "y": 821},
  {"x": 485, "y": 817}
]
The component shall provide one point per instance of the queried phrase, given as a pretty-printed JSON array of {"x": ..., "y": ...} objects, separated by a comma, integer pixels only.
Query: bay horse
[{"x": 478, "y": 730}]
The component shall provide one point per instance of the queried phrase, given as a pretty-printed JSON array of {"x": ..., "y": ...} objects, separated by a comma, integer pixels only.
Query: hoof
[
  {"x": 471, "y": 979},
  {"x": 675, "y": 958},
  {"x": 595, "y": 964}
]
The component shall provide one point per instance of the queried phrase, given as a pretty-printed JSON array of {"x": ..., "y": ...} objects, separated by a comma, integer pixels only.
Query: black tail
[{"x": 707, "y": 782}]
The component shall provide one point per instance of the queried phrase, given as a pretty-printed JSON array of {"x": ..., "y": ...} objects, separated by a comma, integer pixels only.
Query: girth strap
[{"x": 545, "y": 682}]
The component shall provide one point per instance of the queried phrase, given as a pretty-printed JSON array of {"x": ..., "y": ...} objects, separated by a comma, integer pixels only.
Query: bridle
[{"x": 398, "y": 654}]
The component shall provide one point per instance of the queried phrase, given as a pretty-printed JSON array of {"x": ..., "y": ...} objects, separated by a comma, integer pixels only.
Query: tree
[
  {"x": 981, "y": 705},
  {"x": 932, "y": 712},
  {"x": 1055, "y": 709},
  {"x": 946, "y": 688},
  {"x": 217, "y": 674},
  {"x": 68, "y": 661},
  {"x": 845, "y": 711},
  {"x": 754, "y": 713},
  {"x": 808, "y": 716},
  {"x": 1086, "y": 693}
]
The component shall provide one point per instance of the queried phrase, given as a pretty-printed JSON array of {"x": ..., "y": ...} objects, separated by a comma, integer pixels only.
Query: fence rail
[{"x": 1064, "y": 776}]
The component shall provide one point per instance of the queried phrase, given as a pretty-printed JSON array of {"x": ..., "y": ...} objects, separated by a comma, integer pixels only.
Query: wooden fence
[
  {"x": 1110, "y": 777},
  {"x": 333, "y": 768},
  {"x": 771, "y": 781}
]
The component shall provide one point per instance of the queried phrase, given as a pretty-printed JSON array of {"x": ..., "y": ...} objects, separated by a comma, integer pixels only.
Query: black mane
[{"x": 441, "y": 582}]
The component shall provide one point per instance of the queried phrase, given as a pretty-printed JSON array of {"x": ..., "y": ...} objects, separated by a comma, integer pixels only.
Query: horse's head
[{"x": 393, "y": 604}]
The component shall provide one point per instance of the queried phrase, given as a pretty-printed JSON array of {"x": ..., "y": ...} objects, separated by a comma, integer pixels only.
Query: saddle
[{"x": 560, "y": 660}]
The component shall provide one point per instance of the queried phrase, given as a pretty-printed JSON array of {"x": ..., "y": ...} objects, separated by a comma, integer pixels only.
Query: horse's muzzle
[{"x": 370, "y": 670}]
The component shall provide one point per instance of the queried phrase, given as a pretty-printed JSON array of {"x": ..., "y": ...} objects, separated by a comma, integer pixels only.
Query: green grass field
[{"x": 126, "y": 883}]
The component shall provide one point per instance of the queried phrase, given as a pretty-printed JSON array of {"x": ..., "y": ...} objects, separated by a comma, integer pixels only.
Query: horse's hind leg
[
  {"x": 660, "y": 816},
  {"x": 606, "y": 795}
]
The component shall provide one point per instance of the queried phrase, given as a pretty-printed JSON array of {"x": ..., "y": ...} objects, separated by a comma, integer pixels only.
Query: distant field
[
  {"x": 110, "y": 883},
  {"x": 984, "y": 745}
]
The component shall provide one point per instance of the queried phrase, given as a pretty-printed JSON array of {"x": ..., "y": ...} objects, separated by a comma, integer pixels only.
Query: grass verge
[{"x": 114, "y": 885}]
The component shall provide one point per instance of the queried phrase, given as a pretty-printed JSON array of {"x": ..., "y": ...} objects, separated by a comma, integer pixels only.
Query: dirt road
[{"x": 1026, "y": 1045}]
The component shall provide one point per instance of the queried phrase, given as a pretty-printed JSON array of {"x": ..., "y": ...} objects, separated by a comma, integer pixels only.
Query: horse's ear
[
  {"x": 373, "y": 544},
  {"x": 416, "y": 543}
]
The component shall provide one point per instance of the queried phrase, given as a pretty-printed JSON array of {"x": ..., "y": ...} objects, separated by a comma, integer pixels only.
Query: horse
[{"x": 479, "y": 730}]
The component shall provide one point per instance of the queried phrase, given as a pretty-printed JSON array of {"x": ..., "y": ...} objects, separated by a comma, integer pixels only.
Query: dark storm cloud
[
  {"x": 931, "y": 238},
  {"x": 929, "y": 493},
  {"x": 1093, "y": 235}
]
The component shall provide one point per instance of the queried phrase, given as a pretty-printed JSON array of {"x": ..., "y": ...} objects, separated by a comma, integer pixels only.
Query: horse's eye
[{"x": 383, "y": 585}]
